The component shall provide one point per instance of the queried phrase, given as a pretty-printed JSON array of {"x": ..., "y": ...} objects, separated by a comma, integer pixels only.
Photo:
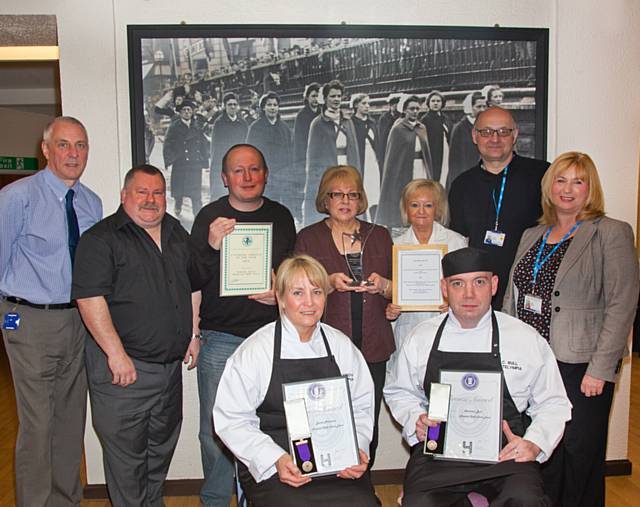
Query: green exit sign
[{"x": 19, "y": 163}]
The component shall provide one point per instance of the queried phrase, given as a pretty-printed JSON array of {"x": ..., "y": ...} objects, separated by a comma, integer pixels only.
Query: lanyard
[
  {"x": 539, "y": 263},
  {"x": 498, "y": 205}
]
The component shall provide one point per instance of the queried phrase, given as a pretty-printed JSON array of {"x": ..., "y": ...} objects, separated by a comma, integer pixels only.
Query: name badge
[
  {"x": 494, "y": 238},
  {"x": 533, "y": 303},
  {"x": 11, "y": 321}
]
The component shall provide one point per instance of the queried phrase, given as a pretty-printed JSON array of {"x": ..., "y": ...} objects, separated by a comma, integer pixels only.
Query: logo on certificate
[
  {"x": 470, "y": 381},
  {"x": 316, "y": 391},
  {"x": 247, "y": 241}
]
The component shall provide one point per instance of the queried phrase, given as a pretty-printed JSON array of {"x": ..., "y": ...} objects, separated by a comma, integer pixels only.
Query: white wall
[{"x": 593, "y": 106}]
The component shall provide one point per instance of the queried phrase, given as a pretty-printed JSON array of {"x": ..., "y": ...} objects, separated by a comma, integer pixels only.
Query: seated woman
[{"x": 249, "y": 413}]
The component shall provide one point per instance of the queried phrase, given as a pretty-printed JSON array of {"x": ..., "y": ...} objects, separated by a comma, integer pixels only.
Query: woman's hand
[
  {"x": 356, "y": 471},
  {"x": 378, "y": 285},
  {"x": 591, "y": 386},
  {"x": 392, "y": 312},
  {"x": 289, "y": 473},
  {"x": 340, "y": 282}
]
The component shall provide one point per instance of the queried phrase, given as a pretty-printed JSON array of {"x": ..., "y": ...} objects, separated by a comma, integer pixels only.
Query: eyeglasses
[
  {"x": 338, "y": 196},
  {"x": 503, "y": 132}
]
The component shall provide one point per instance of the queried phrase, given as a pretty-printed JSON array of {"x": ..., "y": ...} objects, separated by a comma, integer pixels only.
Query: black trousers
[
  {"x": 574, "y": 475},
  {"x": 378, "y": 372},
  {"x": 515, "y": 490}
]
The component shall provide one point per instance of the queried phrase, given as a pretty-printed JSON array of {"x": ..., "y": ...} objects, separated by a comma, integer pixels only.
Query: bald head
[
  {"x": 497, "y": 113},
  {"x": 495, "y": 133}
]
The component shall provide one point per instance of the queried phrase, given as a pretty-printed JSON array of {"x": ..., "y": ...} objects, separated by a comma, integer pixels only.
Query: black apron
[
  {"x": 321, "y": 491},
  {"x": 425, "y": 473}
]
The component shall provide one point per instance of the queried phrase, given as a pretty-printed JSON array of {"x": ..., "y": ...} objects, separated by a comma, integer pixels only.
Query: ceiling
[{"x": 29, "y": 85}]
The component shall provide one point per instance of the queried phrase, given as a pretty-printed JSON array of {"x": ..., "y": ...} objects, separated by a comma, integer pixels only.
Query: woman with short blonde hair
[
  {"x": 424, "y": 208},
  {"x": 249, "y": 414}
]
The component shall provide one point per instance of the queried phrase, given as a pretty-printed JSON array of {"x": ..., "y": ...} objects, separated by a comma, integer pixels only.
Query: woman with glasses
[
  {"x": 423, "y": 206},
  {"x": 357, "y": 256}
]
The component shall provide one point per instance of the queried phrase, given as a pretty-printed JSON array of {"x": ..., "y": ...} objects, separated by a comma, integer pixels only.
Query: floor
[{"x": 621, "y": 491}]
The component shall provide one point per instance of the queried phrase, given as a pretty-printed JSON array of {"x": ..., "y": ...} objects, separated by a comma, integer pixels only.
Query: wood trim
[{"x": 191, "y": 487}]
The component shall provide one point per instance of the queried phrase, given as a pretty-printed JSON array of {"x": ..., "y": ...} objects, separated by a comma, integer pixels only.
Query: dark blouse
[
  {"x": 523, "y": 280},
  {"x": 377, "y": 335}
]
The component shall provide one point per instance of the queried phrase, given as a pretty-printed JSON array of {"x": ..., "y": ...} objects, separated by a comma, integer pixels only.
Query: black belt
[{"x": 53, "y": 306}]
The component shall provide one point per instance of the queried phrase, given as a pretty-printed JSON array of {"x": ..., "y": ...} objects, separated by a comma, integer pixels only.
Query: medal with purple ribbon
[
  {"x": 433, "y": 433},
  {"x": 304, "y": 451}
]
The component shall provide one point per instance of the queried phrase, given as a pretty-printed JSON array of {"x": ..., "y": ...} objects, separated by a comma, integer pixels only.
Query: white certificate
[
  {"x": 474, "y": 426},
  {"x": 417, "y": 270},
  {"x": 245, "y": 260},
  {"x": 333, "y": 429}
]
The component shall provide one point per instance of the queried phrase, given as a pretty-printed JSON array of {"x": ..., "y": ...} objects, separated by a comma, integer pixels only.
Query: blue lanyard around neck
[
  {"x": 539, "y": 263},
  {"x": 498, "y": 205}
]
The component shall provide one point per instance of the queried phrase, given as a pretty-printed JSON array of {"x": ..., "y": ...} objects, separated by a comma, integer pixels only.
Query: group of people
[
  {"x": 413, "y": 139},
  {"x": 538, "y": 285}
]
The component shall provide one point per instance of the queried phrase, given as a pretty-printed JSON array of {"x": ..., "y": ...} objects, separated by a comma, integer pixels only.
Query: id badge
[
  {"x": 494, "y": 238},
  {"x": 533, "y": 303},
  {"x": 11, "y": 321}
]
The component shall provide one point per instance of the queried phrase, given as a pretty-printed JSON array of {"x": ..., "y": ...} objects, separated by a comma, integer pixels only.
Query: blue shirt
[{"x": 34, "y": 252}]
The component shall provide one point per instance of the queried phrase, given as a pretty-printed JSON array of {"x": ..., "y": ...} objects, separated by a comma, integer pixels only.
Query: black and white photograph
[{"x": 311, "y": 97}]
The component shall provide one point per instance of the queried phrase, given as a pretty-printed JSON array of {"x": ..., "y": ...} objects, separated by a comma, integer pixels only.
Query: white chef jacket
[
  {"x": 245, "y": 381},
  {"x": 530, "y": 371},
  {"x": 439, "y": 235}
]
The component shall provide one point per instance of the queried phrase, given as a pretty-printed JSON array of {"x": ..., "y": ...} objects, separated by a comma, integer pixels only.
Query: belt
[{"x": 53, "y": 306}]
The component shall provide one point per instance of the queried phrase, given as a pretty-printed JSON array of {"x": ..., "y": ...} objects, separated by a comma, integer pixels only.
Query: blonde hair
[
  {"x": 585, "y": 169},
  {"x": 299, "y": 264},
  {"x": 345, "y": 173},
  {"x": 439, "y": 196}
]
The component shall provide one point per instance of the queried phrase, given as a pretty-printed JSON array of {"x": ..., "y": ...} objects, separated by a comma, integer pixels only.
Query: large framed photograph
[{"x": 310, "y": 97}]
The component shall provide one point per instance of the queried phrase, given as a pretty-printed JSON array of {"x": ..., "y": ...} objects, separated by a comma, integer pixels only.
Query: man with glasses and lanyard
[{"x": 496, "y": 200}]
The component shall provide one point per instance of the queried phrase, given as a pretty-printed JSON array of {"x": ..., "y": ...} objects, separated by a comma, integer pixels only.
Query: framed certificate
[
  {"x": 245, "y": 260},
  {"x": 474, "y": 426},
  {"x": 417, "y": 270},
  {"x": 331, "y": 424}
]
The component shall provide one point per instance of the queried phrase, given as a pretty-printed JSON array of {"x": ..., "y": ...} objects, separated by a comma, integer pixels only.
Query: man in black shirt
[
  {"x": 226, "y": 322},
  {"x": 496, "y": 200},
  {"x": 132, "y": 286}
]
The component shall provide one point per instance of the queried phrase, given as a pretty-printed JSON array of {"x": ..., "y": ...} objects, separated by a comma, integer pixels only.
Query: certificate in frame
[
  {"x": 245, "y": 260},
  {"x": 474, "y": 426},
  {"x": 331, "y": 421},
  {"x": 417, "y": 270}
]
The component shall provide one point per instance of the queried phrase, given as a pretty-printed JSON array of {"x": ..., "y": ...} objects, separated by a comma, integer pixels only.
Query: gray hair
[{"x": 46, "y": 134}]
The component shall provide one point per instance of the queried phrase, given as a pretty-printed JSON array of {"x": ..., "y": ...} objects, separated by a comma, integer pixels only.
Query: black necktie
[{"x": 72, "y": 224}]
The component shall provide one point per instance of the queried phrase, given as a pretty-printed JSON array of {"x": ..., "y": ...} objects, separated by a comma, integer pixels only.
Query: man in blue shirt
[{"x": 41, "y": 219}]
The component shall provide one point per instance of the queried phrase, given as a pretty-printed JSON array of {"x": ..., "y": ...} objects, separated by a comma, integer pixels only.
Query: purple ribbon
[
  {"x": 433, "y": 432},
  {"x": 304, "y": 451}
]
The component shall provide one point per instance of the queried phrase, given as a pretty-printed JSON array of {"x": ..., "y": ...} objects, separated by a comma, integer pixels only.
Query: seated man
[{"x": 472, "y": 337}]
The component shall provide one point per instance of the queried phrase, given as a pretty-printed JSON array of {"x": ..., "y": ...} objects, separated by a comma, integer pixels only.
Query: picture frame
[
  {"x": 204, "y": 62},
  {"x": 417, "y": 270}
]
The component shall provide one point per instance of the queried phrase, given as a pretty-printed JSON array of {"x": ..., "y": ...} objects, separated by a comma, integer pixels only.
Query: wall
[
  {"x": 593, "y": 106},
  {"x": 23, "y": 137}
]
